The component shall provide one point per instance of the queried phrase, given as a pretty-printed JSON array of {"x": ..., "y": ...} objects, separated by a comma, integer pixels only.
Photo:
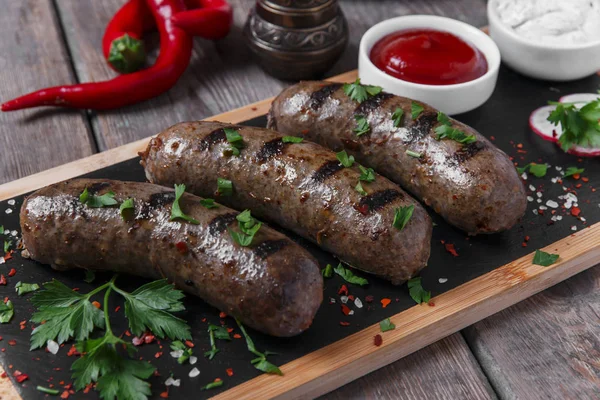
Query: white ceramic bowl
[
  {"x": 450, "y": 99},
  {"x": 539, "y": 60}
]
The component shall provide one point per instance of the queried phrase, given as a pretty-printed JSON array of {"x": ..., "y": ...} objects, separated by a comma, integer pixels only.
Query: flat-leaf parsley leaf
[
  {"x": 358, "y": 92},
  {"x": 544, "y": 259},
  {"x": 402, "y": 216},
  {"x": 349, "y": 276},
  {"x": 176, "y": 212},
  {"x": 417, "y": 292}
]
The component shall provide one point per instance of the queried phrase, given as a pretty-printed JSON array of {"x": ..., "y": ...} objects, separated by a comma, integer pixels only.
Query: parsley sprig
[
  {"x": 359, "y": 92},
  {"x": 539, "y": 170},
  {"x": 176, "y": 212},
  {"x": 68, "y": 314},
  {"x": 362, "y": 125},
  {"x": 580, "y": 126},
  {"x": 446, "y": 131},
  {"x": 248, "y": 226},
  {"x": 94, "y": 201},
  {"x": 260, "y": 362}
]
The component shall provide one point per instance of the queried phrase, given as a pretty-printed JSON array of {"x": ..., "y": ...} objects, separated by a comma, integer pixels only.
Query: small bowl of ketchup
[{"x": 446, "y": 63}]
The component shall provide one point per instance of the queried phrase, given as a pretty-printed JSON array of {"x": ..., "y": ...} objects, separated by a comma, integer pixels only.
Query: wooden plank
[
  {"x": 33, "y": 56},
  {"x": 547, "y": 347},
  {"x": 443, "y": 370},
  {"x": 343, "y": 361}
]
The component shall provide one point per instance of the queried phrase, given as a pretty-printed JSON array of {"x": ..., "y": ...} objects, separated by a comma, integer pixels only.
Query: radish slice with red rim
[
  {"x": 579, "y": 98},
  {"x": 538, "y": 121},
  {"x": 584, "y": 151}
]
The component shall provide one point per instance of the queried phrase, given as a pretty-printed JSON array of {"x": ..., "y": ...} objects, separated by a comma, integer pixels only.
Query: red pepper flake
[
  {"x": 19, "y": 376},
  {"x": 254, "y": 108},
  {"x": 578, "y": 186},
  {"x": 450, "y": 249},
  {"x": 345, "y": 309},
  {"x": 378, "y": 340},
  {"x": 351, "y": 297},
  {"x": 229, "y": 371},
  {"x": 217, "y": 380},
  {"x": 237, "y": 336},
  {"x": 305, "y": 131},
  {"x": 576, "y": 176},
  {"x": 3, "y": 374},
  {"x": 22, "y": 324},
  {"x": 527, "y": 238},
  {"x": 88, "y": 388},
  {"x": 585, "y": 179},
  {"x": 136, "y": 341},
  {"x": 369, "y": 298},
  {"x": 524, "y": 244},
  {"x": 117, "y": 308},
  {"x": 385, "y": 302},
  {"x": 492, "y": 138},
  {"x": 127, "y": 333},
  {"x": 363, "y": 209},
  {"x": 65, "y": 395},
  {"x": 96, "y": 304},
  {"x": 541, "y": 212},
  {"x": 158, "y": 354},
  {"x": 12, "y": 342},
  {"x": 344, "y": 323},
  {"x": 222, "y": 315},
  {"x": 182, "y": 247},
  {"x": 575, "y": 211},
  {"x": 72, "y": 351},
  {"x": 343, "y": 291},
  {"x": 69, "y": 386},
  {"x": 2, "y": 280},
  {"x": 431, "y": 303},
  {"x": 229, "y": 330},
  {"x": 520, "y": 146},
  {"x": 8, "y": 256},
  {"x": 12, "y": 272},
  {"x": 149, "y": 339},
  {"x": 165, "y": 394}
]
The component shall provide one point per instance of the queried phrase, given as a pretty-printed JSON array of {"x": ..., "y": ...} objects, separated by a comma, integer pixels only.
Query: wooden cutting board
[{"x": 490, "y": 273}]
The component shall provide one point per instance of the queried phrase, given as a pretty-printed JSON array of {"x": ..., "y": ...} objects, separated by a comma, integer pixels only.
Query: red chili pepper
[
  {"x": 210, "y": 19},
  {"x": 174, "y": 57},
  {"x": 122, "y": 42}
]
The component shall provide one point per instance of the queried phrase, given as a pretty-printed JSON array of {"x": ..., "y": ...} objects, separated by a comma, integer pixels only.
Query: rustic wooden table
[{"x": 545, "y": 347}]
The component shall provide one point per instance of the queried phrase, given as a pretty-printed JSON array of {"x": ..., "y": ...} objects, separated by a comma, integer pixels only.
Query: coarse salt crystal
[
  {"x": 554, "y": 180},
  {"x": 538, "y": 194},
  {"x": 344, "y": 299},
  {"x": 11, "y": 202},
  {"x": 573, "y": 228},
  {"x": 2, "y": 260},
  {"x": 331, "y": 300},
  {"x": 52, "y": 346},
  {"x": 524, "y": 176},
  {"x": 539, "y": 200},
  {"x": 8, "y": 211},
  {"x": 582, "y": 219},
  {"x": 535, "y": 211},
  {"x": 194, "y": 372},
  {"x": 176, "y": 353},
  {"x": 358, "y": 303},
  {"x": 552, "y": 204},
  {"x": 169, "y": 381},
  {"x": 443, "y": 280},
  {"x": 193, "y": 360},
  {"x": 532, "y": 188},
  {"x": 351, "y": 312},
  {"x": 543, "y": 208},
  {"x": 14, "y": 233},
  {"x": 529, "y": 198},
  {"x": 176, "y": 382},
  {"x": 559, "y": 217},
  {"x": 558, "y": 168}
]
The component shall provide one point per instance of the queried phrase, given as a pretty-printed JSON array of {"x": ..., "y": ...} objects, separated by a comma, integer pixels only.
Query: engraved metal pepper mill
[{"x": 296, "y": 39}]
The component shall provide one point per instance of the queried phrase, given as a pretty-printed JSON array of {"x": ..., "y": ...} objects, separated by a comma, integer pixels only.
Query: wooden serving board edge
[{"x": 343, "y": 361}]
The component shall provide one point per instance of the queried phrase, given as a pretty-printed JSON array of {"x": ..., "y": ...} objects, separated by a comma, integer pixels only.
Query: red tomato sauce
[{"x": 428, "y": 57}]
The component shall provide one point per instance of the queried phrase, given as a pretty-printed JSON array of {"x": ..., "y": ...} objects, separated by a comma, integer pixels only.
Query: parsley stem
[
  {"x": 106, "y": 318},
  {"x": 249, "y": 341}
]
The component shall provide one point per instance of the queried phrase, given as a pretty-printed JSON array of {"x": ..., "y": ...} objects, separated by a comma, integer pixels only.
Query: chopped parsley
[
  {"x": 212, "y": 385},
  {"x": 386, "y": 325},
  {"x": 344, "y": 159},
  {"x": 235, "y": 140},
  {"x": 186, "y": 352},
  {"x": 248, "y": 226},
  {"x": 126, "y": 208},
  {"x": 208, "y": 203},
  {"x": 176, "y": 212},
  {"x": 224, "y": 187},
  {"x": 580, "y": 126},
  {"x": 7, "y": 244},
  {"x": 414, "y": 154},
  {"x": 360, "y": 189},
  {"x": 362, "y": 125},
  {"x": 291, "y": 139},
  {"x": 417, "y": 292},
  {"x": 359, "y": 92},
  {"x": 215, "y": 332},
  {"x": 402, "y": 216},
  {"x": 539, "y": 170},
  {"x": 23, "y": 288},
  {"x": 397, "y": 117},
  {"x": 93, "y": 201},
  {"x": 6, "y": 312},
  {"x": 327, "y": 272},
  {"x": 46, "y": 390},
  {"x": 573, "y": 171},
  {"x": 446, "y": 131},
  {"x": 366, "y": 174},
  {"x": 415, "y": 110},
  {"x": 1, "y": 229},
  {"x": 544, "y": 259},
  {"x": 90, "y": 276},
  {"x": 260, "y": 362},
  {"x": 349, "y": 276}
]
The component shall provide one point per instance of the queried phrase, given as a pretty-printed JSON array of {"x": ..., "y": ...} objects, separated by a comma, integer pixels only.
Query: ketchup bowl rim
[{"x": 463, "y": 30}]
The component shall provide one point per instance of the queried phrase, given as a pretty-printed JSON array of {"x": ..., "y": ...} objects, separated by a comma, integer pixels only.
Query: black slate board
[{"x": 504, "y": 117}]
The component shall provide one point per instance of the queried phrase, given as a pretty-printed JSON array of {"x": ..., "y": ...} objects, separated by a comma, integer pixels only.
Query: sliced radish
[
  {"x": 538, "y": 121},
  {"x": 579, "y": 98},
  {"x": 584, "y": 151}
]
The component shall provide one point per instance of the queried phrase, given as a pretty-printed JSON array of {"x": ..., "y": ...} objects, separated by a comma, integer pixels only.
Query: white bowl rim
[
  {"x": 493, "y": 15},
  {"x": 492, "y": 68}
]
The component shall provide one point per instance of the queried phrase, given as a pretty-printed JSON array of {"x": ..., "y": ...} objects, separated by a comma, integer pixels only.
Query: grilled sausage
[
  {"x": 474, "y": 187},
  {"x": 300, "y": 186},
  {"x": 274, "y": 285}
]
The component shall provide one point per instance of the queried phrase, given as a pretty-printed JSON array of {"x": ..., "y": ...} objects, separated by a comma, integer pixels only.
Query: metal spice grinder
[{"x": 296, "y": 39}]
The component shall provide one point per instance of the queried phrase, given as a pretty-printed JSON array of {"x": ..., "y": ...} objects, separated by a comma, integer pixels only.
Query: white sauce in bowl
[{"x": 561, "y": 22}]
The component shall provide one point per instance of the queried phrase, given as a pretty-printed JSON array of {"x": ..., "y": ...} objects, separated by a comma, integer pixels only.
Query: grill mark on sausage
[
  {"x": 378, "y": 200},
  {"x": 270, "y": 247},
  {"x": 220, "y": 222},
  {"x": 318, "y": 97},
  {"x": 212, "y": 138},
  {"x": 422, "y": 126},
  {"x": 372, "y": 103},
  {"x": 156, "y": 201},
  {"x": 329, "y": 168},
  {"x": 468, "y": 151},
  {"x": 270, "y": 149},
  {"x": 96, "y": 187}
]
